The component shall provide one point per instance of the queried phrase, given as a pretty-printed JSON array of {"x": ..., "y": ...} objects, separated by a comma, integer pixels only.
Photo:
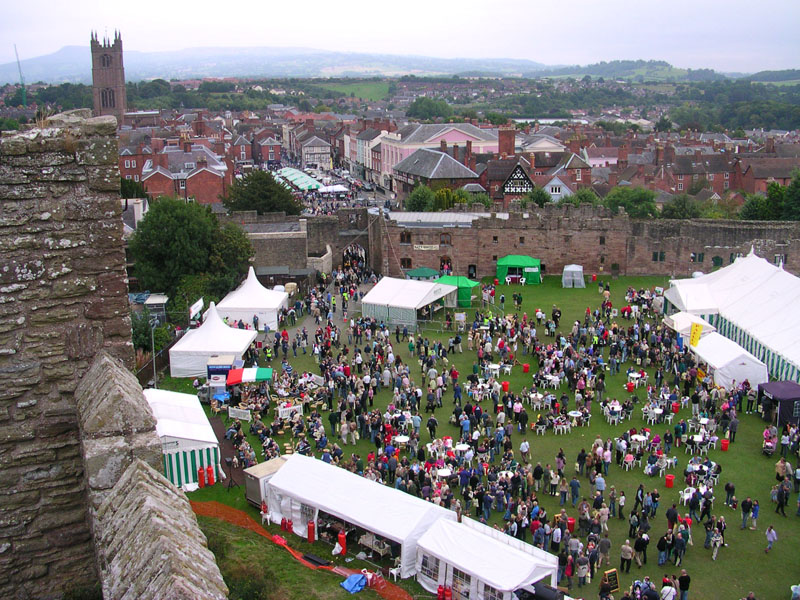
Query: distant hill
[
  {"x": 772, "y": 76},
  {"x": 633, "y": 70},
  {"x": 73, "y": 64}
]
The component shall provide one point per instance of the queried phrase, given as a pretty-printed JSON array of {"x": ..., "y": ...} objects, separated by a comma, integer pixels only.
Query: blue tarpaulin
[{"x": 355, "y": 583}]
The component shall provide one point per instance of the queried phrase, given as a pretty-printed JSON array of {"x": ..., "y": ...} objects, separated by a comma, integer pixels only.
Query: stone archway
[{"x": 354, "y": 255}]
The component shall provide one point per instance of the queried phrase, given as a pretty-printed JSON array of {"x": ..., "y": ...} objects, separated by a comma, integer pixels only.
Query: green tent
[
  {"x": 464, "y": 286},
  {"x": 520, "y": 266},
  {"x": 422, "y": 274}
]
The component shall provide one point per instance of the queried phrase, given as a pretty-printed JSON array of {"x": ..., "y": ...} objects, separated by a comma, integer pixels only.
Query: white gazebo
[
  {"x": 253, "y": 299},
  {"x": 572, "y": 277},
  {"x": 396, "y": 301}
]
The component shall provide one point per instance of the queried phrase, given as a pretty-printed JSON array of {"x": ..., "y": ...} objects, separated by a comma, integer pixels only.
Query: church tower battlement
[{"x": 108, "y": 77}]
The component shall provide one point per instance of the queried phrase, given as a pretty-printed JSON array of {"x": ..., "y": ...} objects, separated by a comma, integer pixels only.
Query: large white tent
[
  {"x": 572, "y": 277},
  {"x": 189, "y": 356},
  {"x": 498, "y": 562},
  {"x": 396, "y": 301},
  {"x": 187, "y": 439},
  {"x": 252, "y": 298},
  {"x": 731, "y": 364},
  {"x": 304, "y": 486},
  {"x": 752, "y": 302}
]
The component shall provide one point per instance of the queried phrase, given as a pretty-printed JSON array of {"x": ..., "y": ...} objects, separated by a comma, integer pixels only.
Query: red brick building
[{"x": 194, "y": 173}]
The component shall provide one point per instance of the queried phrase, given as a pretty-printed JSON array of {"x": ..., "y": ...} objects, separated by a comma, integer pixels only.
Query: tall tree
[
  {"x": 681, "y": 207},
  {"x": 420, "y": 199},
  {"x": 791, "y": 199},
  {"x": 537, "y": 196},
  {"x": 638, "y": 202},
  {"x": 260, "y": 192}
]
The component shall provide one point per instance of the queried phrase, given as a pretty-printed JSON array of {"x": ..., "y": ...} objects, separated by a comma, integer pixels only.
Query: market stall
[
  {"x": 478, "y": 562},
  {"x": 251, "y": 299},
  {"x": 464, "y": 285},
  {"x": 304, "y": 487},
  {"x": 783, "y": 396},
  {"x": 513, "y": 268},
  {"x": 189, "y": 356},
  {"x": 422, "y": 274},
  {"x": 572, "y": 277},
  {"x": 729, "y": 362},
  {"x": 681, "y": 323},
  {"x": 397, "y": 301},
  {"x": 187, "y": 440},
  {"x": 251, "y": 375},
  {"x": 257, "y": 477}
]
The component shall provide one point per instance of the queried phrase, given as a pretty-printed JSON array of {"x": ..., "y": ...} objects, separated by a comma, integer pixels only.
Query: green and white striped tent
[
  {"x": 187, "y": 439},
  {"x": 751, "y": 302}
]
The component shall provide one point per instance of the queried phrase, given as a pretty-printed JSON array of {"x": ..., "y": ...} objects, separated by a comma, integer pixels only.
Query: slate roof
[
  {"x": 500, "y": 169},
  {"x": 432, "y": 164},
  {"x": 314, "y": 141},
  {"x": 764, "y": 168},
  {"x": 368, "y": 135},
  {"x": 602, "y": 152},
  {"x": 569, "y": 160},
  {"x": 708, "y": 163},
  {"x": 270, "y": 141},
  {"x": 420, "y": 133}
]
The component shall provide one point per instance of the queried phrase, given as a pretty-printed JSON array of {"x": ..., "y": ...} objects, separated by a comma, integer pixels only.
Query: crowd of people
[{"x": 484, "y": 465}]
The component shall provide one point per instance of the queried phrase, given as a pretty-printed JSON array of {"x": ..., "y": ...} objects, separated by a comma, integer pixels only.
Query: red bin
[
  {"x": 505, "y": 386},
  {"x": 347, "y": 370},
  {"x": 526, "y": 367},
  {"x": 571, "y": 524},
  {"x": 289, "y": 526},
  {"x": 669, "y": 480},
  {"x": 725, "y": 444},
  {"x": 594, "y": 277},
  {"x": 676, "y": 407},
  {"x": 210, "y": 475},
  {"x": 311, "y": 532},
  {"x": 283, "y": 524},
  {"x": 496, "y": 281},
  {"x": 201, "y": 477},
  {"x": 343, "y": 542}
]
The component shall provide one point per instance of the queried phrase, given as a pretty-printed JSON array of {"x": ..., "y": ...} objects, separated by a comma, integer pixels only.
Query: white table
[
  {"x": 401, "y": 439},
  {"x": 697, "y": 439},
  {"x": 494, "y": 369},
  {"x": 462, "y": 448},
  {"x": 703, "y": 421},
  {"x": 444, "y": 472},
  {"x": 574, "y": 414},
  {"x": 658, "y": 411}
]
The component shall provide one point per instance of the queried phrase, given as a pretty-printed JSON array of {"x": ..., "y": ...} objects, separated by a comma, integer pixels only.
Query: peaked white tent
[
  {"x": 682, "y": 322},
  {"x": 396, "y": 301},
  {"x": 252, "y": 298},
  {"x": 752, "y": 302},
  {"x": 572, "y": 277},
  {"x": 187, "y": 439},
  {"x": 189, "y": 356},
  {"x": 304, "y": 486},
  {"x": 730, "y": 363}
]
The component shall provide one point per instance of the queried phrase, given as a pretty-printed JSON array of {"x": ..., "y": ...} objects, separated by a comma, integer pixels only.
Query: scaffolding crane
[{"x": 21, "y": 79}]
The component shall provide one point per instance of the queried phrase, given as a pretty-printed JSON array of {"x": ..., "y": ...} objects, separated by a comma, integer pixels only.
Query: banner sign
[
  {"x": 195, "y": 309},
  {"x": 426, "y": 246},
  {"x": 694, "y": 336},
  {"x": 238, "y": 413}
]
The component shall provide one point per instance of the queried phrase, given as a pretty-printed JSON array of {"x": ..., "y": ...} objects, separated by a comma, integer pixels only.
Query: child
[
  {"x": 621, "y": 503},
  {"x": 772, "y": 537},
  {"x": 754, "y": 514}
]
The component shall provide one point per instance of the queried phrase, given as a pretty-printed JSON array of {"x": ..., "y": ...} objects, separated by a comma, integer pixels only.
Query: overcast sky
[{"x": 727, "y": 35}]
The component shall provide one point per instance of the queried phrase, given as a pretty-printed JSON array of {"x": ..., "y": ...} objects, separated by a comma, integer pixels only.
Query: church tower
[{"x": 108, "y": 77}]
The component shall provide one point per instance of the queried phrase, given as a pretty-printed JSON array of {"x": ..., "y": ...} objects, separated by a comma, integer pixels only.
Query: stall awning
[{"x": 248, "y": 375}]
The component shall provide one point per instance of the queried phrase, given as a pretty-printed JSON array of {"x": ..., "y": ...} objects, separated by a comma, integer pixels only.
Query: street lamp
[{"x": 153, "y": 325}]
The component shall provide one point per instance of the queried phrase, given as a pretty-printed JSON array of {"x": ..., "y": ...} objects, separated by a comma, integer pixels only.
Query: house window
[
  {"x": 602, "y": 240},
  {"x": 136, "y": 178},
  {"x": 243, "y": 154},
  {"x": 133, "y": 164},
  {"x": 182, "y": 184},
  {"x": 405, "y": 237},
  {"x": 105, "y": 60},
  {"x": 710, "y": 177},
  {"x": 405, "y": 263},
  {"x": 680, "y": 187},
  {"x": 780, "y": 258},
  {"x": 727, "y": 175},
  {"x": 461, "y": 584},
  {"x": 127, "y": 164},
  {"x": 188, "y": 166},
  {"x": 521, "y": 240},
  {"x": 429, "y": 567},
  {"x": 725, "y": 184},
  {"x": 680, "y": 177},
  {"x": 271, "y": 155},
  {"x": 577, "y": 174},
  {"x": 494, "y": 257},
  {"x": 658, "y": 257},
  {"x": 444, "y": 239},
  {"x": 537, "y": 172},
  {"x": 555, "y": 189},
  {"x": 494, "y": 239},
  {"x": 127, "y": 176},
  {"x": 701, "y": 257},
  {"x": 694, "y": 177},
  {"x": 602, "y": 259}
]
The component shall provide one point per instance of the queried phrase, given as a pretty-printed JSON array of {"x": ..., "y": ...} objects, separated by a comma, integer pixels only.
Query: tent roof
[
  {"x": 406, "y": 293},
  {"x": 682, "y": 323},
  {"x": 575, "y": 268},
  {"x": 179, "y": 416},
  {"x": 215, "y": 336},
  {"x": 754, "y": 295},
  {"x": 518, "y": 260},
  {"x": 488, "y": 559},
  {"x": 252, "y": 295},
  {"x": 383, "y": 510},
  {"x": 457, "y": 280},
  {"x": 718, "y": 351},
  {"x": 781, "y": 390},
  {"x": 422, "y": 272}
]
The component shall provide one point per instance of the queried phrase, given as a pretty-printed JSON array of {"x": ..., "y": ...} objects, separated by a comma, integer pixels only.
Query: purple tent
[{"x": 785, "y": 395}]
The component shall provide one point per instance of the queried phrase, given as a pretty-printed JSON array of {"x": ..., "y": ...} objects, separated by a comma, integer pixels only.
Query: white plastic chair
[
  {"x": 508, "y": 280},
  {"x": 522, "y": 280}
]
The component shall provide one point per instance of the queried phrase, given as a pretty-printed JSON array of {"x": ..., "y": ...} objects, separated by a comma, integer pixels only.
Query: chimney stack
[
  {"x": 659, "y": 154},
  {"x": 612, "y": 179},
  {"x": 698, "y": 157},
  {"x": 622, "y": 156},
  {"x": 443, "y": 145},
  {"x": 506, "y": 140},
  {"x": 468, "y": 154},
  {"x": 532, "y": 159}
]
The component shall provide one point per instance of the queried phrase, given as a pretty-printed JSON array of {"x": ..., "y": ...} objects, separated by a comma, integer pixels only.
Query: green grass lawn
[
  {"x": 367, "y": 90},
  {"x": 741, "y": 567}
]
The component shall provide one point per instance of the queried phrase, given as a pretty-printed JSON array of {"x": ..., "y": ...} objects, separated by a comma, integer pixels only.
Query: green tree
[
  {"x": 260, "y": 192},
  {"x": 663, "y": 124},
  {"x": 583, "y": 196},
  {"x": 190, "y": 289},
  {"x": 776, "y": 198},
  {"x": 754, "y": 208},
  {"x": 482, "y": 198},
  {"x": 427, "y": 108},
  {"x": 681, "y": 207},
  {"x": 229, "y": 259},
  {"x": 7, "y": 124},
  {"x": 791, "y": 201},
  {"x": 420, "y": 199},
  {"x": 132, "y": 189},
  {"x": 698, "y": 185},
  {"x": 140, "y": 329},
  {"x": 444, "y": 199},
  {"x": 638, "y": 202},
  {"x": 537, "y": 196},
  {"x": 496, "y": 118}
]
